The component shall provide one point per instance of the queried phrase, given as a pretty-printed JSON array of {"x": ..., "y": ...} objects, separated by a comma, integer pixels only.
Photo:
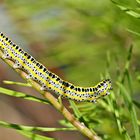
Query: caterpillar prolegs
[{"x": 48, "y": 80}]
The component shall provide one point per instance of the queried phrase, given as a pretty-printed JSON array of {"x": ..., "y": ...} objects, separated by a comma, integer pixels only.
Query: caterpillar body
[{"x": 48, "y": 80}]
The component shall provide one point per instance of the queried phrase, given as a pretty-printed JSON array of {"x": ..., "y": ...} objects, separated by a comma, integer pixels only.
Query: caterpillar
[{"x": 48, "y": 80}]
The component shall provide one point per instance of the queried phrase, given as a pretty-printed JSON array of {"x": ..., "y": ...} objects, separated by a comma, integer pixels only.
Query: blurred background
[{"x": 73, "y": 39}]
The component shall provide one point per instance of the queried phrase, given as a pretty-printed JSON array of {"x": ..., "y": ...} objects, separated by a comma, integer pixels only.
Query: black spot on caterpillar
[{"x": 48, "y": 80}]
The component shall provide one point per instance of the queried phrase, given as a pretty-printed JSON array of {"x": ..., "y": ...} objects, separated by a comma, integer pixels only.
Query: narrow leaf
[
  {"x": 22, "y": 95},
  {"x": 32, "y": 128},
  {"x": 16, "y": 83}
]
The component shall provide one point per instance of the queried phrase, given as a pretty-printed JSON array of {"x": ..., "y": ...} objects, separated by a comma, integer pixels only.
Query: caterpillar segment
[{"x": 48, "y": 80}]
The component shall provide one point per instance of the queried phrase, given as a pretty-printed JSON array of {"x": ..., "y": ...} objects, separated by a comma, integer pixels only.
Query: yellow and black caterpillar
[{"x": 48, "y": 80}]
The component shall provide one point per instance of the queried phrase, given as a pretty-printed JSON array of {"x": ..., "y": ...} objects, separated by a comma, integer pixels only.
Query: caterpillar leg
[
  {"x": 94, "y": 101},
  {"x": 43, "y": 87},
  {"x": 107, "y": 93},
  {"x": 17, "y": 65},
  {"x": 29, "y": 76},
  {"x": 6, "y": 56},
  {"x": 60, "y": 99}
]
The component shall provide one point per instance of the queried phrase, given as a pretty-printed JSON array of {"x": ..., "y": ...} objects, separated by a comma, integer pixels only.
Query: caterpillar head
[{"x": 104, "y": 87}]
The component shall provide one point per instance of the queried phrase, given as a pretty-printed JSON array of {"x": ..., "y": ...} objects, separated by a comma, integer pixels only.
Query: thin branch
[{"x": 81, "y": 127}]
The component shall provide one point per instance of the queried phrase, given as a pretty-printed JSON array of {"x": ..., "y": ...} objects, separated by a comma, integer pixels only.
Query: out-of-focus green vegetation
[
  {"x": 88, "y": 41},
  {"x": 77, "y": 34}
]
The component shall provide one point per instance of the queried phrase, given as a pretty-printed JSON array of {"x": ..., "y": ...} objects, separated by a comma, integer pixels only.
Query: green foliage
[
  {"x": 117, "y": 104},
  {"x": 129, "y": 9},
  {"x": 105, "y": 113},
  {"x": 78, "y": 34},
  {"x": 27, "y": 131},
  {"x": 31, "y": 129},
  {"x": 21, "y": 95}
]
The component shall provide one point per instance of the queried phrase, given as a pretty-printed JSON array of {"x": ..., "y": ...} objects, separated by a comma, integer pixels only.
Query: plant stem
[{"x": 81, "y": 127}]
